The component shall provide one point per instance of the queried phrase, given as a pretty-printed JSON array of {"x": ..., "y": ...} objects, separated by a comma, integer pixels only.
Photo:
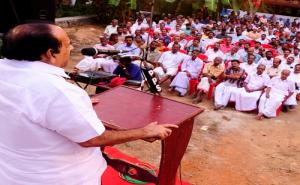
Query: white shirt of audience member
[
  {"x": 171, "y": 60},
  {"x": 212, "y": 54},
  {"x": 255, "y": 81}
]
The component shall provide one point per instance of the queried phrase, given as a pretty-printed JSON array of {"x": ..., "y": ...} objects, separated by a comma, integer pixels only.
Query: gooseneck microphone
[{"x": 94, "y": 51}]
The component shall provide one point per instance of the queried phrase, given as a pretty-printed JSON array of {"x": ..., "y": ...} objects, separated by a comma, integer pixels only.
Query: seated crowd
[{"x": 251, "y": 60}]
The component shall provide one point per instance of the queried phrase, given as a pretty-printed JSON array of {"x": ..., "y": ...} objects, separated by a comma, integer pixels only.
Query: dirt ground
[{"x": 227, "y": 147}]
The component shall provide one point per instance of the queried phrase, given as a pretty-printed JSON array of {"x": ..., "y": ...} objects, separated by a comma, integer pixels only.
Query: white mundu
[
  {"x": 279, "y": 89},
  {"x": 43, "y": 118},
  {"x": 247, "y": 101},
  {"x": 295, "y": 78},
  {"x": 170, "y": 61},
  {"x": 181, "y": 80}
]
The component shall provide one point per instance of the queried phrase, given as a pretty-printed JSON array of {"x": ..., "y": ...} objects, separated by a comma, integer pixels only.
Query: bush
[{"x": 80, "y": 8}]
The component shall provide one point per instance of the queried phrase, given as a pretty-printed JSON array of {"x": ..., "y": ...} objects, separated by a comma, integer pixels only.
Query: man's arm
[{"x": 151, "y": 131}]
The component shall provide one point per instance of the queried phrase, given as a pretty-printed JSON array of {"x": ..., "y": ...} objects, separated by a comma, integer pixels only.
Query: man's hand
[
  {"x": 75, "y": 70},
  {"x": 153, "y": 130},
  {"x": 122, "y": 65}
]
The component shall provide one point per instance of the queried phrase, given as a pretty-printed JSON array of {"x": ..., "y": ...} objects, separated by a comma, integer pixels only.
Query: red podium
[{"x": 125, "y": 108}]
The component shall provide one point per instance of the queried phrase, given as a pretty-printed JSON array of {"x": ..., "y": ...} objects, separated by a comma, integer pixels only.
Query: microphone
[{"x": 94, "y": 51}]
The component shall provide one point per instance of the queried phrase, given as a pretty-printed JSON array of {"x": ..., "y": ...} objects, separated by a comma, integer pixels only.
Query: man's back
[{"x": 43, "y": 117}]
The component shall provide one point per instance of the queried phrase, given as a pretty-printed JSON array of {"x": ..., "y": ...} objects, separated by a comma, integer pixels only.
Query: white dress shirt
[{"x": 43, "y": 118}]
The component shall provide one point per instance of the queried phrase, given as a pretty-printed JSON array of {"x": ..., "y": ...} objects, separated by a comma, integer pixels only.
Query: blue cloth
[
  {"x": 133, "y": 69},
  {"x": 257, "y": 58}
]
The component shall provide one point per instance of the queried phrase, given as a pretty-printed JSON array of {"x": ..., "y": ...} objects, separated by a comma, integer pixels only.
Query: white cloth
[
  {"x": 265, "y": 41},
  {"x": 207, "y": 41},
  {"x": 266, "y": 62},
  {"x": 229, "y": 56},
  {"x": 90, "y": 64},
  {"x": 43, "y": 117},
  {"x": 175, "y": 32},
  {"x": 295, "y": 78},
  {"x": 181, "y": 80},
  {"x": 106, "y": 63},
  {"x": 249, "y": 68},
  {"x": 204, "y": 84},
  {"x": 245, "y": 101},
  {"x": 110, "y": 29},
  {"x": 170, "y": 45},
  {"x": 289, "y": 67},
  {"x": 223, "y": 92},
  {"x": 279, "y": 89},
  {"x": 87, "y": 64},
  {"x": 211, "y": 54},
  {"x": 170, "y": 62},
  {"x": 159, "y": 71}
]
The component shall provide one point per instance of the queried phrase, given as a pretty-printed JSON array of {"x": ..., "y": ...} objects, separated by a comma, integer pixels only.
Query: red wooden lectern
[{"x": 126, "y": 108}]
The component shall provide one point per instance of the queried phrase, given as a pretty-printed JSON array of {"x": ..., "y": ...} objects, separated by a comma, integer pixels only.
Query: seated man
[
  {"x": 268, "y": 60},
  {"x": 249, "y": 66},
  {"x": 168, "y": 63},
  {"x": 153, "y": 54},
  {"x": 278, "y": 90},
  {"x": 275, "y": 69},
  {"x": 128, "y": 70},
  {"x": 246, "y": 98},
  {"x": 214, "y": 52},
  {"x": 232, "y": 79},
  {"x": 103, "y": 61},
  {"x": 211, "y": 73},
  {"x": 190, "y": 68},
  {"x": 295, "y": 78}
]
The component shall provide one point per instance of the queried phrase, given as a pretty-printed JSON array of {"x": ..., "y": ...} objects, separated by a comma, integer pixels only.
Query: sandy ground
[{"x": 227, "y": 147}]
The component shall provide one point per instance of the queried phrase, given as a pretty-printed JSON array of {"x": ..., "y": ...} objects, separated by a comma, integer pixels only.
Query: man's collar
[{"x": 37, "y": 66}]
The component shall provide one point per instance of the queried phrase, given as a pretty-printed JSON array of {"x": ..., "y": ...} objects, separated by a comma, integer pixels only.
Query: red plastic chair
[{"x": 194, "y": 82}]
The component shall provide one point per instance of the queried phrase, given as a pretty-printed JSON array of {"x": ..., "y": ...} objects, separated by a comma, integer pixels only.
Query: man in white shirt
[
  {"x": 263, "y": 39},
  {"x": 246, "y": 98},
  {"x": 103, "y": 61},
  {"x": 169, "y": 62},
  {"x": 284, "y": 57},
  {"x": 295, "y": 78},
  {"x": 112, "y": 28},
  {"x": 208, "y": 41},
  {"x": 249, "y": 66},
  {"x": 278, "y": 90},
  {"x": 190, "y": 69},
  {"x": 214, "y": 52},
  {"x": 49, "y": 132},
  {"x": 268, "y": 60},
  {"x": 290, "y": 64}
]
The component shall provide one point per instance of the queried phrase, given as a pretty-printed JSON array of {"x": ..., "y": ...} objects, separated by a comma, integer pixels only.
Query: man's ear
[{"x": 48, "y": 57}]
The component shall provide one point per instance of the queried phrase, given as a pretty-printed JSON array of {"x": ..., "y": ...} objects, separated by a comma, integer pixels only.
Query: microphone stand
[{"x": 147, "y": 74}]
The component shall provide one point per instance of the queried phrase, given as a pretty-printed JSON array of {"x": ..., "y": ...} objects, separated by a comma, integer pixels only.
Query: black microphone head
[{"x": 89, "y": 51}]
